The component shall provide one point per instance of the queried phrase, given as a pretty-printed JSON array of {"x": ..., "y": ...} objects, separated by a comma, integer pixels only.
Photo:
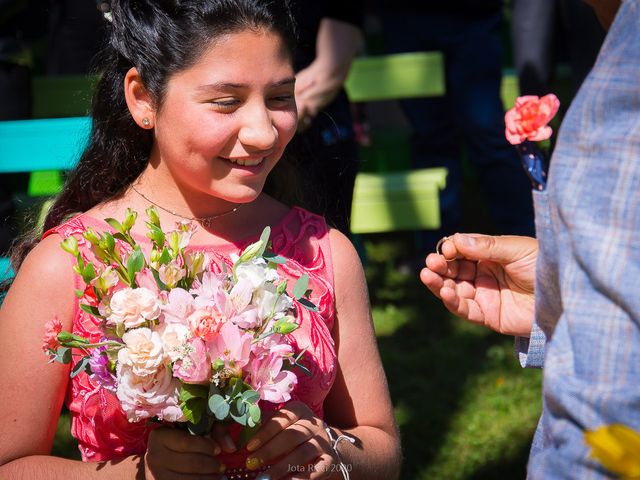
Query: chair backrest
[{"x": 391, "y": 77}]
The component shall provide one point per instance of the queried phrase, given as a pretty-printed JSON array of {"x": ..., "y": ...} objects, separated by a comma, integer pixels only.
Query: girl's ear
[{"x": 138, "y": 100}]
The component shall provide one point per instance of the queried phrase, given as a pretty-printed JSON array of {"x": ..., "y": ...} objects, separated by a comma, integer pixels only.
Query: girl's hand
[
  {"x": 297, "y": 439},
  {"x": 175, "y": 454}
]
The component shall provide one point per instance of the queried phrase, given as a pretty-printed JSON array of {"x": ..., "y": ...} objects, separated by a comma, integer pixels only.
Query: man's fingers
[{"x": 499, "y": 249}]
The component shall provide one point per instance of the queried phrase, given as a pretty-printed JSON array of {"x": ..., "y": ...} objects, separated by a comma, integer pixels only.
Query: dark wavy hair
[{"x": 159, "y": 38}]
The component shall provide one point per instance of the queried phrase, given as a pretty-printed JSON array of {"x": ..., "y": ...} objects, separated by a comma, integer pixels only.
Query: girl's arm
[
  {"x": 33, "y": 391},
  {"x": 359, "y": 402}
]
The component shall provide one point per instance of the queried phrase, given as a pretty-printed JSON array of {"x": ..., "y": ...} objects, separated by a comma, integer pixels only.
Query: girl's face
[{"x": 226, "y": 120}]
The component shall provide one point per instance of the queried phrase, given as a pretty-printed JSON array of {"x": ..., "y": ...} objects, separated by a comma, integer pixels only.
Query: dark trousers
[{"x": 470, "y": 114}]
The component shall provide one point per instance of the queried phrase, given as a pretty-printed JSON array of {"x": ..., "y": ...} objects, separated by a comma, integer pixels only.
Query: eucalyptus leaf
[
  {"x": 306, "y": 303},
  {"x": 80, "y": 366},
  {"x": 274, "y": 258},
  {"x": 63, "y": 355},
  {"x": 250, "y": 396},
  {"x": 218, "y": 407},
  {"x": 300, "y": 287},
  {"x": 255, "y": 413}
]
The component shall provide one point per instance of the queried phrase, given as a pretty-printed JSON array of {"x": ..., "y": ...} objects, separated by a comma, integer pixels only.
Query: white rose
[
  {"x": 143, "y": 351},
  {"x": 133, "y": 307},
  {"x": 150, "y": 396}
]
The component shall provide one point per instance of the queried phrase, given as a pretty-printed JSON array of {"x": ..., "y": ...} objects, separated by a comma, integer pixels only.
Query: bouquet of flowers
[{"x": 182, "y": 338}]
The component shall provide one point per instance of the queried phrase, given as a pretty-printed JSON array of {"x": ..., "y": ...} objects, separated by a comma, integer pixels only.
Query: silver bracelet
[{"x": 344, "y": 470}]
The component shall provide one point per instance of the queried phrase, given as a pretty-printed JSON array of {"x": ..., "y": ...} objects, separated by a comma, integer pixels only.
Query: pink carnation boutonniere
[{"x": 527, "y": 122}]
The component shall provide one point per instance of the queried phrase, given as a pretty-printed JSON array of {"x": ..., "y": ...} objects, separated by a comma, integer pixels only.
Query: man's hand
[{"x": 488, "y": 280}]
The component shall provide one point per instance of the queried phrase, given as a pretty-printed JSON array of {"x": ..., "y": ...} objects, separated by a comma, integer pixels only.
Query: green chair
[{"x": 387, "y": 200}]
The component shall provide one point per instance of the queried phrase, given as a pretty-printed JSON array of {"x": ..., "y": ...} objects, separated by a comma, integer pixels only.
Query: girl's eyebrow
[{"x": 239, "y": 86}]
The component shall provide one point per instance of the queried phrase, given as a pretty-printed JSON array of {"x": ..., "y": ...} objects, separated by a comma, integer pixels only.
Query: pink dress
[{"x": 97, "y": 421}]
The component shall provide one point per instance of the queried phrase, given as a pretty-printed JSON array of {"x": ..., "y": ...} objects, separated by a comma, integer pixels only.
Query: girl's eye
[{"x": 225, "y": 104}]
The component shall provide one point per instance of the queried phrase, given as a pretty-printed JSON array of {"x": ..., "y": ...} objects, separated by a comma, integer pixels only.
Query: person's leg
[
  {"x": 533, "y": 26},
  {"x": 435, "y": 140},
  {"x": 474, "y": 76}
]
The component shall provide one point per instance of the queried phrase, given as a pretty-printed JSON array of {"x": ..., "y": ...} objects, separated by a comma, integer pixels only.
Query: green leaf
[
  {"x": 250, "y": 396},
  {"x": 63, "y": 355},
  {"x": 135, "y": 263},
  {"x": 255, "y": 414},
  {"x": 284, "y": 327},
  {"x": 189, "y": 391},
  {"x": 155, "y": 234},
  {"x": 160, "y": 283},
  {"x": 79, "y": 293},
  {"x": 109, "y": 242},
  {"x": 165, "y": 257},
  {"x": 70, "y": 245},
  {"x": 193, "y": 409},
  {"x": 306, "y": 303},
  {"x": 273, "y": 258},
  {"x": 218, "y": 407},
  {"x": 120, "y": 329},
  {"x": 264, "y": 238},
  {"x": 301, "y": 286},
  {"x": 91, "y": 310},
  {"x": 80, "y": 366},
  {"x": 88, "y": 273},
  {"x": 115, "y": 224}
]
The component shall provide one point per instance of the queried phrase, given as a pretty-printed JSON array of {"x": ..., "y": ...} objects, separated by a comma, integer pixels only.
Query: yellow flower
[{"x": 617, "y": 447}]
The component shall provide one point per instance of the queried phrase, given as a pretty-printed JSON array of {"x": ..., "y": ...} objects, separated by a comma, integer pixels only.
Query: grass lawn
[{"x": 466, "y": 409}]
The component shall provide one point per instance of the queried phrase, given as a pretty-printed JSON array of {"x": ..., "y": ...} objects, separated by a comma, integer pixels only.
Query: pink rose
[
  {"x": 528, "y": 119},
  {"x": 51, "y": 330}
]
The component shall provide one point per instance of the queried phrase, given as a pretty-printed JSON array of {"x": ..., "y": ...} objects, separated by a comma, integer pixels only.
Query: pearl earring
[{"x": 146, "y": 122}]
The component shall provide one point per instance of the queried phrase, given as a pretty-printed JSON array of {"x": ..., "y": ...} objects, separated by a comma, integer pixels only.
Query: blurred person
[
  {"x": 583, "y": 269},
  {"x": 330, "y": 35},
  {"x": 20, "y": 22},
  {"x": 470, "y": 113},
  {"x": 539, "y": 27}
]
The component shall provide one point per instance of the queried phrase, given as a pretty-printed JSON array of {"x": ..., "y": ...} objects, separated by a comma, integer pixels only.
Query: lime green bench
[{"x": 388, "y": 200}]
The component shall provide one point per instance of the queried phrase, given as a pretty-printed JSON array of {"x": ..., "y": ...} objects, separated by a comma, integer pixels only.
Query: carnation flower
[
  {"x": 51, "y": 330},
  {"x": 133, "y": 307},
  {"x": 528, "y": 119},
  {"x": 143, "y": 351}
]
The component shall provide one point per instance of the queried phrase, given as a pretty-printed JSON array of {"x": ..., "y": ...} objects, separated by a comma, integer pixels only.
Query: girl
[{"x": 194, "y": 108}]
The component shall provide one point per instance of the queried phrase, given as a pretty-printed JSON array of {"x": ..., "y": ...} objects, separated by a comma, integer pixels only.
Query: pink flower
[
  {"x": 267, "y": 378},
  {"x": 206, "y": 323},
  {"x": 51, "y": 330},
  {"x": 145, "y": 279},
  {"x": 178, "y": 307},
  {"x": 193, "y": 367},
  {"x": 528, "y": 119},
  {"x": 233, "y": 346}
]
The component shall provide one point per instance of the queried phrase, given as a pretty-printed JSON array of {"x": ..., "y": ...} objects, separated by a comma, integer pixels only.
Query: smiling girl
[{"x": 193, "y": 110}]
